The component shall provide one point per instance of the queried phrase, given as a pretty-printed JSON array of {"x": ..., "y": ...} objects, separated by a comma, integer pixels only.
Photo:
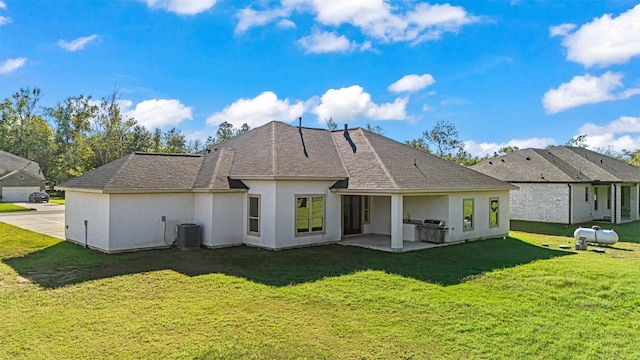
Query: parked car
[{"x": 39, "y": 197}]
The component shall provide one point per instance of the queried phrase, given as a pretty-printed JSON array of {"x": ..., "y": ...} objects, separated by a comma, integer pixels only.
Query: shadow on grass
[
  {"x": 66, "y": 263},
  {"x": 627, "y": 232}
]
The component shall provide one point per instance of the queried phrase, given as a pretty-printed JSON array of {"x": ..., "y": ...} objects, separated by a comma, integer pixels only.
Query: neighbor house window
[
  {"x": 586, "y": 194},
  {"x": 595, "y": 198},
  {"x": 254, "y": 215},
  {"x": 494, "y": 212},
  {"x": 365, "y": 209},
  {"x": 467, "y": 221},
  {"x": 309, "y": 214}
]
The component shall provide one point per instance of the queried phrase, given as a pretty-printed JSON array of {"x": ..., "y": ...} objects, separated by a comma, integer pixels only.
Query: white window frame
[
  {"x": 249, "y": 217},
  {"x": 473, "y": 210},
  {"x": 366, "y": 209},
  {"x": 497, "y": 224},
  {"x": 310, "y": 217}
]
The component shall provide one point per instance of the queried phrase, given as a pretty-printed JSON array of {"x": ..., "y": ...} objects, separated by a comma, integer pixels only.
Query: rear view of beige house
[
  {"x": 280, "y": 186},
  {"x": 568, "y": 185}
]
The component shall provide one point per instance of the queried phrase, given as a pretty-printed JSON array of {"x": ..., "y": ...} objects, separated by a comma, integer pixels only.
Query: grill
[{"x": 433, "y": 231}]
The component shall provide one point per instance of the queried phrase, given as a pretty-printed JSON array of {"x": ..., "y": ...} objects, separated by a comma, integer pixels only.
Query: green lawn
[
  {"x": 629, "y": 232},
  {"x": 9, "y": 207},
  {"x": 493, "y": 299},
  {"x": 57, "y": 200}
]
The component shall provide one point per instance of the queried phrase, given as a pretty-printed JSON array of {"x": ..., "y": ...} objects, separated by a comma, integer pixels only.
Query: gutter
[{"x": 570, "y": 203}]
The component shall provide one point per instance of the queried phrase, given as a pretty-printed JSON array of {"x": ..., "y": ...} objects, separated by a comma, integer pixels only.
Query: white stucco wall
[
  {"x": 228, "y": 219},
  {"x": 380, "y": 219},
  {"x": 94, "y": 208},
  {"x": 541, "y": 202},
  {"x": 432, "y": 207},
  {"x": 481, "y": 228},
  {"x": 135, "y": 219},
  {"x": 17, "y": 193},
  {"x": 286, "y": 207},
  {"x": 268, "y": 214}
]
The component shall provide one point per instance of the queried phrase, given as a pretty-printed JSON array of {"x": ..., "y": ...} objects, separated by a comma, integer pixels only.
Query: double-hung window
[{"x": 309, "y": 214}]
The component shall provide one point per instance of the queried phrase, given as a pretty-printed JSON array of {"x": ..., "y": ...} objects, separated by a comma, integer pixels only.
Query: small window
[
  {"x": 595, "y": 198},
  {"x": 253, "y": 227},
  {"x": 586, "y": 194},
  {"x": 365, "y": 209},
  {"x": 494, "y": 212},
  {"x": 309, "y": 214},
  {"x": 467, "y": 221}
]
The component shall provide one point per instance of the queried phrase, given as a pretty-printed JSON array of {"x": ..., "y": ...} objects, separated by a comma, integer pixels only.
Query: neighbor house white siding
[
  {"x": 18, "y": 193},
  {"x": 541, "y": 202},
  {"x": 92, "y": 208}
]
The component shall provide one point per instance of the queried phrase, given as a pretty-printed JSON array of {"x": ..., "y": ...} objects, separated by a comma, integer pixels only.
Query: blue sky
[{"x": 523, "y": 73}]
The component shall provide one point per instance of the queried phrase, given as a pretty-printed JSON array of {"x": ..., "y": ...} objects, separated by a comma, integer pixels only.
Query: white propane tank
[{"x": 596, "y": 235}]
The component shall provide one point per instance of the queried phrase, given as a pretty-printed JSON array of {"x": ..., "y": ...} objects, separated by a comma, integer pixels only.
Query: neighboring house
[
  {"x": 19, "y": 177},
  {"x": 280, "y": 186},
  {"x": 568, "y": 185}
]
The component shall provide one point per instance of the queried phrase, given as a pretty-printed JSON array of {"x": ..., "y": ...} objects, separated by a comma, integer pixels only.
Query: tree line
[{"x": 80, "y": 134}]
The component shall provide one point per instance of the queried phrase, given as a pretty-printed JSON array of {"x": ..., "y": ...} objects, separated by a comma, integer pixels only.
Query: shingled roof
[
  {"x": 10, "y": 163},
  {"x": 358, "y": 160},
  {"x": 561, "y": 164}
]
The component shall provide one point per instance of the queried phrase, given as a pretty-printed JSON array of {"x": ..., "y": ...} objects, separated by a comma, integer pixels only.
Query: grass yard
[
  {"x": 628, "y": 232},
  {"x": 9, "y": 207},
  {"x": 57, "y": 200},
  {"x": 492, "y": 299}
]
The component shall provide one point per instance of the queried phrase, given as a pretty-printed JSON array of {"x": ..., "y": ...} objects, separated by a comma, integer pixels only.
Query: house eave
[
  {"x": 419, "y": 191},
  {"x": 287, "y": 178}
]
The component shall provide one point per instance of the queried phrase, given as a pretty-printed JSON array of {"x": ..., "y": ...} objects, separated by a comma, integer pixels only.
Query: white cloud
[
  {"x": 413, "y": 82},
  {"x": 604, "y": 41},
  {"x": 159, "y": 113},
  {"x": 353, "y": 103},
  {"x": 258, "y": 111},
  {"x": 482, "y": 149},
  {"x": 585, "y": 89},
  {"x": 11, "y": 65},
  {"x": 286, "y": 24},
  {"x": 561, "y": 30},
  {"x": 375, "y": 18},
  {"x": 4, "y": 20},
  {"x": 3, "y": 5},
  {"x": 325, "y": 42},
  {"x": 182, "y": 7},
  {"x": 618, "y": 135},
  {"x": 77, "y": 44},
  {"x": 248, "y": 18}
]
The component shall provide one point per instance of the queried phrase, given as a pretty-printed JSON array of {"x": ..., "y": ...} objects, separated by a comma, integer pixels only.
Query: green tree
[
  {"x": 109, "y": 129},
  {"x": 634, "y": 158},
  {"x": 23, "y": 131},
  {"x": 419, "y": 144},
  {"x": 174, "y": 142},
  {"x": 331, "y": 125},
  {"x": 375, "y": 129},
  {"x": 71, "y": 155},
  {"x": 444, "y": 137},
  {"x": 578, "y": 141}
]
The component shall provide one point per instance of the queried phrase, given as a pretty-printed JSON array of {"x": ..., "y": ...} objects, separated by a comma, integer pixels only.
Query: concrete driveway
[{"x": 47, "y": 218}]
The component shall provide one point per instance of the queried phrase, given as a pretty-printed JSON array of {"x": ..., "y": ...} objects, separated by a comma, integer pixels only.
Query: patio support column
[{"x": 397, "y": 209}]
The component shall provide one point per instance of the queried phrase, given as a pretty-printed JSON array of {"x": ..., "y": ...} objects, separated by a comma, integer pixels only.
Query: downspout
[
  {"x": 570, "y": 204},
  {"x": 615, "y": 207},
  {"x": 85, "y": 233}
]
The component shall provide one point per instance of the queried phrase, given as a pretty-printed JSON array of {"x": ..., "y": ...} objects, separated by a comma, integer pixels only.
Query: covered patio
[{"x": 383, "y": 243}]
